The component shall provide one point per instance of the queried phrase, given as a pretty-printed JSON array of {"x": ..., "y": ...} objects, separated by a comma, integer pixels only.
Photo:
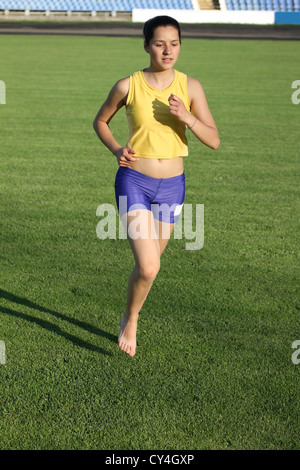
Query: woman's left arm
[{"x": 200, "y": 121}]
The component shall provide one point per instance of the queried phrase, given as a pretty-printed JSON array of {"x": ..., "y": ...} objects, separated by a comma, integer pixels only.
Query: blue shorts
[{"x": 163, "y": 196}]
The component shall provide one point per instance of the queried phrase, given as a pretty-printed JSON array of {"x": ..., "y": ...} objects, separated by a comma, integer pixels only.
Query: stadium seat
[
  {"x": 284, "y": 5},
  {"x": 263, "y": 5},
  {"x": 269, "y": 5}
]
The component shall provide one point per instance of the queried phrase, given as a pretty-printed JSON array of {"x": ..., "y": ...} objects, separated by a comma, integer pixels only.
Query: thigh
[
  {"x": 142, "y": 237},
  {"x": 147, "y": 236},
  {"x": 164, "y": 231}
]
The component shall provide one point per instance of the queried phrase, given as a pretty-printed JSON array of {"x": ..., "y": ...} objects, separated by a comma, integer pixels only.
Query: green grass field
[{"x": 213, "y": 369}]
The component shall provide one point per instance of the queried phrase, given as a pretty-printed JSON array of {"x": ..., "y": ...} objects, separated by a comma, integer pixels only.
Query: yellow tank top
[{"x": 153, "y": 131}]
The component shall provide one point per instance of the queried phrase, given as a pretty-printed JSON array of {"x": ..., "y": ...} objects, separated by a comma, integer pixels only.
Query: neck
[
  {"x": 160, "y": 76},
  {"x": 153, "y": 70}
]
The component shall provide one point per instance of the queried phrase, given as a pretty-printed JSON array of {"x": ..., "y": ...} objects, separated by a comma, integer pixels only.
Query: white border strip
[{"x": 207, "y": 16}]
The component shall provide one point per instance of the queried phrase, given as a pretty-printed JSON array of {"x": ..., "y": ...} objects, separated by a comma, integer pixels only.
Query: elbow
[
  {"x": 95, "y": 124},
  {"x": 216, "y": 144},
  {"x": 98, "y": 124},
  {"x": 215, "y": 141}
]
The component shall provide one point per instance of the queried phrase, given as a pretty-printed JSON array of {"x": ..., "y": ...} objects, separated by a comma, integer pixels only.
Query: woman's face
[{"x": 164, "y": 47}]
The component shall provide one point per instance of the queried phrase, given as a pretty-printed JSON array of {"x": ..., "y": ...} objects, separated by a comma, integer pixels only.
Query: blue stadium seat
[
  {"x": 263, "y": 5},
  {"x": 269, "y": 5},
  {"x": 281, "y": 5}
]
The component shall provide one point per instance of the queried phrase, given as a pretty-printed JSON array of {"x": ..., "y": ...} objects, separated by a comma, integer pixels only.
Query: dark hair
[{"x": 157, "y": 21}]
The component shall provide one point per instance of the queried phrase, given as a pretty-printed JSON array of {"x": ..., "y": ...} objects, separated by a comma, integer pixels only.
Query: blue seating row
[
  {"x": 276, "y": 5},
  {"x": 128, "y": 5},
  {"x": 93, "y": 5}
]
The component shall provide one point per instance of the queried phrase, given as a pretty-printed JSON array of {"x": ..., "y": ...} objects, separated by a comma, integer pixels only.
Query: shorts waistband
[{"x": 141, "y": 176}]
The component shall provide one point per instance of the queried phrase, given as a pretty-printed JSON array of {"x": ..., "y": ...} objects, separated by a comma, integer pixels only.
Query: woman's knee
[{"x": 149, "y": 271}]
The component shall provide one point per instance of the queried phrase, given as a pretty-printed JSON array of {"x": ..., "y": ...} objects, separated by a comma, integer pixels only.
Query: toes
[
  {"x": 127, "y": 348},
  {"x": 125, "y": 343},
  {"x": 132, "y": 352}
]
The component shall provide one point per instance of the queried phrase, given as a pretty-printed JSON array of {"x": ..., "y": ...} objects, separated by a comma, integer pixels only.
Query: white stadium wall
[{"x": 216, "y": 16}]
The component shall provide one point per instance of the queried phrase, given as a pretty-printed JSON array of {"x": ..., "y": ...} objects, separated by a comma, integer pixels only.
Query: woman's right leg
[
  {"x": 147, "y": 248},
  {"x": 146, "y": 251}
]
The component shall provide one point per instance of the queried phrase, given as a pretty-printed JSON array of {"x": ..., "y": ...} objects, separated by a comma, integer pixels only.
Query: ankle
[{"x": 130, "y": 317}]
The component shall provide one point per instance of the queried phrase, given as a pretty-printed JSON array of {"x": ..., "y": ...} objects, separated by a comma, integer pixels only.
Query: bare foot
[{"x": 127, "y": 335}]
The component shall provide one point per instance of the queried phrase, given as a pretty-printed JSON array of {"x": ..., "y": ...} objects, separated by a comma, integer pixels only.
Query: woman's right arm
[{"x": 115, "y": 100}]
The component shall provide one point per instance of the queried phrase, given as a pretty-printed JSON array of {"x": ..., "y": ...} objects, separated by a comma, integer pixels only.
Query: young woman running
[{"x": 161, "y": 103}]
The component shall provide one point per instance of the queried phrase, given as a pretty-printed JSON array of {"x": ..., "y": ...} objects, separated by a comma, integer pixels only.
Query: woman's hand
[
  {"x": 125, "y": 156},
  {"x": 178, "y": 108}
]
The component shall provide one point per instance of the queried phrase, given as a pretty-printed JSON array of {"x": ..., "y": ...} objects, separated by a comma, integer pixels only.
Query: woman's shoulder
[
  {"x": 193, "y": 82},
  {"x": 122, "y": 85},
  {"x": 194, "y": 87},
  {"x": 120, "y": 90}
]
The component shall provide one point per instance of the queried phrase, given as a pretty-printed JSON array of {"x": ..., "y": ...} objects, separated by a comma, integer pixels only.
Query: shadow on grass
[{"x": 51, "y": 326}]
